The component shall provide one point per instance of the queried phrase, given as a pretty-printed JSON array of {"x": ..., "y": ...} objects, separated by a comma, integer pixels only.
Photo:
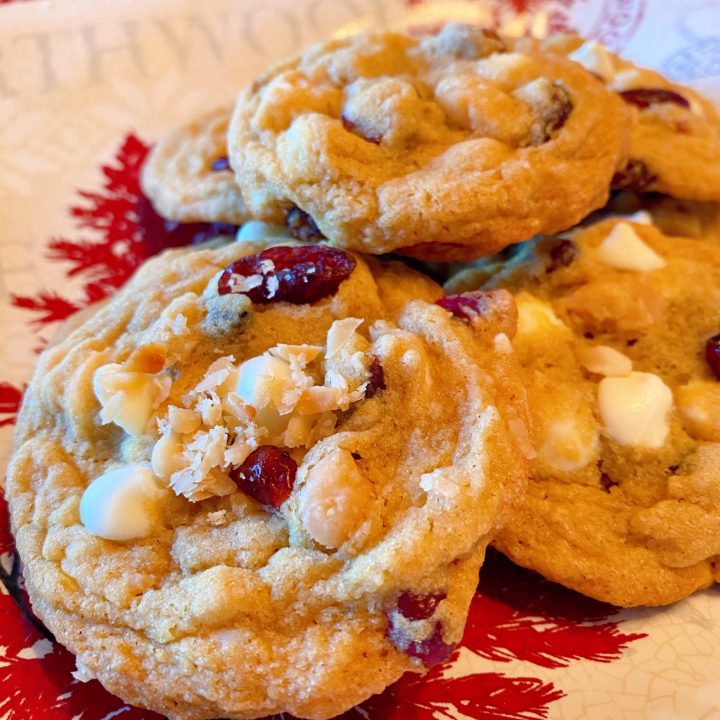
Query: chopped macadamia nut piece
[
  {"x": 128, "y": 398},
  {"x": 334, "y": 498},
  {"x": 604, "y": 360}
]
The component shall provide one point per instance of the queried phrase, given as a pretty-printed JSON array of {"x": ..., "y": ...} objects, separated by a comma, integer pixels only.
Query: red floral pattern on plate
[{"x": 516, "y": 614}]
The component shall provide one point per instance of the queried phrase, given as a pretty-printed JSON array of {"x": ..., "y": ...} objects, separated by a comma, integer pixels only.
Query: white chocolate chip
[
  {"x": 625, "y": 250},
  {"x": 334, "y": 498},
  {"x": 567, "y": 445},
  {"x": 595, "y": 58},
  {"x": 122, "y": 504},
  {"x": 604, "y": 360},
  {"x": 128, "y": 398},
  {"x": 262, "y": 380},
  {"x": 635, "y": 409},
  {"x": 536, "y": 316},
  {"x": 167, "y": 455},
  {"x": 254, "y": 230}
]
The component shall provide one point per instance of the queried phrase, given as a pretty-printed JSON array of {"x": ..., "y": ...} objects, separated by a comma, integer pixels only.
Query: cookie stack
[{"x": 277, "y": 459}]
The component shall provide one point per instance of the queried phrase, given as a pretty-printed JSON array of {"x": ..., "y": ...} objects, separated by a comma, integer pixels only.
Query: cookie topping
[
  {"x": 268, "y": 475},
  {"x": 699, "y": 406},
  {"x": 562, "y": 254},
  {"x": 636, "y": 175},
  {"x": 376, "y": 383},
  {"x": 258, "y": 230},
  {"x": 431, "y": 650},
  {"x": 595, "y": 59},
  {"x": 604, "y": 360},
  {"x": 635, "y": 409},
  {"x": 625, "y": 250},
  {"x": 712, "y": 354},
  {"x": 334, "y": 498},
  {"x": 122, "y": 504},
  {"x": 297, "y": 275},
  {"x": 302, "y": 226},
  {"x": 419, "y": 607},
  {"x": 536, "y": 317},
  {"x": 128, "y": 397},
  {"x": 287, "y": 397},
  {"x": 570, "y": 443},
  {"x": 645, "y": 97}
]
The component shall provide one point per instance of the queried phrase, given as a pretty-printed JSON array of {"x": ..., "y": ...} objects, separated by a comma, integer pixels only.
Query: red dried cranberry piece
[
  {"x": 419, "y": 607},
  {"x": 432, "y": 650},
  {"x": 635, "y": 175},
  {"x": 712, "y": 354},
  {"x": 268, "y": 475},
  {"x": 302, "y": 226},
  {"x": 562, "y": 255},
  {"x": 377, "y": 379},
  {"x": 645, "y": 97},
  {"x": 220, "y": 164},
  {"x": 296, "y": 275}
]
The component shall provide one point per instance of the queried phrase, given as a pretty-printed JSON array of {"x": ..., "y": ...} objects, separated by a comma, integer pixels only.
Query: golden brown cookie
[
  {"x": 258, "y": 469},
  {"x": 676, "y": 139},
  {"x": 187, "y": 175},
  {"x": 619, "y": 339},
  {"x": 442, "y": 147}
]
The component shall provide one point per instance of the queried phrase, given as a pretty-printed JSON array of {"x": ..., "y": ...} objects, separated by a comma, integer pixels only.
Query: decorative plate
[{"x": 85, "y": 87}]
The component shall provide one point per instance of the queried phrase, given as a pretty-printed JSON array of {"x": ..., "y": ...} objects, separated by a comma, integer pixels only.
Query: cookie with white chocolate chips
[
  {"x": 676, "y": 137},
  {"x": 187, "y": 175},
  {"x": 619, "y": 339},
  {"x": 260, "y": 468},
  {"x": 442, "y": 147}
]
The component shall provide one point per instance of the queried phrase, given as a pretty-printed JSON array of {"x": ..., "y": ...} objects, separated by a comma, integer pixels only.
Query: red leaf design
[
  {"x": 128, "y": 231},
  {"x": 481, "y": 696},
  {"x": 518, "y": 615},
  {"x": 10, "y": 399},
  {"x": 35, "y": 672},
  {"x": 50, "y": 306}
]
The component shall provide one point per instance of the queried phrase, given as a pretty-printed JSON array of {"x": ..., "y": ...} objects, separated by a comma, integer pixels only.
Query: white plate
[{"x": 85, "y": 84}]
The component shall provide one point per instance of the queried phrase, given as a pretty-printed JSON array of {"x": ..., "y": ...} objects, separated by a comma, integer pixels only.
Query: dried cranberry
[
  {"x": 635, "y": 175},
  {"x": 419, "y": 607},
  {"x": 553, "y": 116},
  {"x": 268, "y": 475},
  {"x": 712, "y": 354},
  {"x": 296, "y": 275},
  {"x": 562, "y": 254},
  {"x": 432, "y": 650},
  {"x": 302, "y": 226},
  {"x": 377, "y": 379},
  {"x": 220, "y": 164},
  {"x": 351, "y": 127},
  {"x": 645, "y": 97}
]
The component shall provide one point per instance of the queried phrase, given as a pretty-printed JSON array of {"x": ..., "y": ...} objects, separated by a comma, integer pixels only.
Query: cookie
[
  {"x": 619, "y": 339},
  {"x": 187, "y": 176},
  {"x": 258, "y": 469},
  {"x": 441, "y": 147},
  {"x": 676, "y": 139}
]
